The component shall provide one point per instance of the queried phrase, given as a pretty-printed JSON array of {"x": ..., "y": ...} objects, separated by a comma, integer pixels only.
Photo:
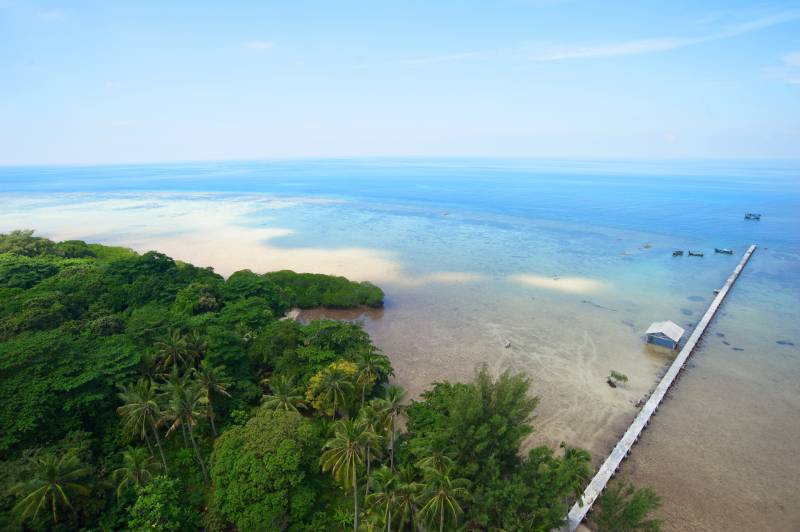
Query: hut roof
[{"x": 671, "y": 330}]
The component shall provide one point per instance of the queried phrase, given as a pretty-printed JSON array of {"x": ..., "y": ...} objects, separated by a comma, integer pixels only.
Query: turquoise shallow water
[{"x": 566, "y": 261}]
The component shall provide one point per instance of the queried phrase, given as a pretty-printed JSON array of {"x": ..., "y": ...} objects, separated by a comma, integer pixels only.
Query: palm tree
[
  {"x": 437, "y": 460},
  {"x": 344, "y": 453},
  {"x": 174, "y": 385},
  {"x": 392, "y": 405},
  {"x": 172, "y": 349},
  {"x": 373, "y": 419},
  {"x": 141, "y": 411},
  {"x": 214, "y": 381},
  {"x": 196, "y": 347},
  {"x": 573, "y": 471},
  {"x": 187, "y": 405},
  {"x": 369, "y": 363},
  {"x": 53, "y": 481},
  {"x": 383, "y": 498},
  {"x": 335, "y": 387},
  {"x": 137, "y": 469},
  {"x": 148, "y": 366},
  {"x": 441, "y": 497},
  {"x": 406, "y": 496},
  {"x": 285, "y": 395}
]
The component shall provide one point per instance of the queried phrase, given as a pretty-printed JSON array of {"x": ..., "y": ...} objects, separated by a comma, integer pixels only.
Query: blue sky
[{"x": 98, "y": 82}]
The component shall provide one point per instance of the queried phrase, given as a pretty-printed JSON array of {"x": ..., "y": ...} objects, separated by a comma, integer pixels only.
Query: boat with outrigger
[
  {"x": 695, "y": 253},
  {"x": 752, "y": 216},
  {"x": 724, "y": 251}
]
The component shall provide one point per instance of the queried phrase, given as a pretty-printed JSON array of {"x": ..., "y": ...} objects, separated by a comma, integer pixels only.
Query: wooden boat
[
  {"x": 677, "y": 253},
  {"x": 695, "y": 253},
  {"x": 752, "y": 216},
  {"x": 725, "y": 251}
]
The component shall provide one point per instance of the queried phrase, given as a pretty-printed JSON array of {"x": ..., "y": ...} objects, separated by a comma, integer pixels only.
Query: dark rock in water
[
  {"x": 696, "y": 298},
  {"x": 738, "y": 349},
  {"x": 686, "y": 312},
  {"x": 784, "y": 342},
  {"x": 721, "y": 335},
  {"x": 611, "y": 383},
  {"x": 726, "y": 342}
]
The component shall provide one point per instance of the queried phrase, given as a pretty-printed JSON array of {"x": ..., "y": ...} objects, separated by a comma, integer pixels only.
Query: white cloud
[
  {"x": 259, "y": 45},
  {"x": 616, "y": 49},
  {"x": 661, "y": 44}
]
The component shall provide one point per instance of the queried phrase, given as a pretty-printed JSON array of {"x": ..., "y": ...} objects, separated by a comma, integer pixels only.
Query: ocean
[{"x": 554, "y": 268}]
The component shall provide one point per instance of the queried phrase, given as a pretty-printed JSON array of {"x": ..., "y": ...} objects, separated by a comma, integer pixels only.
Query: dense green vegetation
[{"x": 143, "y": 393}]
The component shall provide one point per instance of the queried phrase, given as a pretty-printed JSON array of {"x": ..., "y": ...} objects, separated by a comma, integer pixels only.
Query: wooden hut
[{"x": 665, "y": 334}]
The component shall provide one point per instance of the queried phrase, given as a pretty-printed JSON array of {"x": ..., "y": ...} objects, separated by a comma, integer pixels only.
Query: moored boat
[
  {"x": 725, "y": 251},
  {"x": 752, "y": 216},
  {"x": 695, "y": 253}
]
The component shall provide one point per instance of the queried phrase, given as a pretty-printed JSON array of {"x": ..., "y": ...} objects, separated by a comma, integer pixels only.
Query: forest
[{"x": 144, "y": 393}]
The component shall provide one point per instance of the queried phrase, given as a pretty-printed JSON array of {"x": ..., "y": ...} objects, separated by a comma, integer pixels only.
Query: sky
[{"x": 85, "y": 82}]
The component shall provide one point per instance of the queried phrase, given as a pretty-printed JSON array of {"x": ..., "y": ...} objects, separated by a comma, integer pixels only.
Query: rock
[
  {"x": 507, "y": 344},
  {"x": 611, "y": 383},
  {"x": 686, "y": 312},
  {"x": 738, "y": 349}
]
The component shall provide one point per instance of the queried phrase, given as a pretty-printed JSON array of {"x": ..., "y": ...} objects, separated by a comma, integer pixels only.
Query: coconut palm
[
  {"x": 437, "y": 460},
  {"x": 392, "y": 405},
  {"x": 373, "y": 420},
  {"x": 406, "y": 496},
  {"x": 441, "y": 497},
  {"x": 137, "y": 469},
  {"x": 214, "y": 382},
  {"x": 369, "y": 366},
  {"x": 148, "y": 366},
  {"x": 285, "y": 395},
  {"x": 53, "y": 481},
  {"x": 172, "y": 350},
  {"x": 141, "y": 411},
  {"x": 573, "y": 470},
  {"x": 196, "y": 348},
  {"x": 343, "y": 455},
  {"x": 383, "y": 500},
  {"x": 174, "y": 386},
  {"x": 187, "y": 405},
  {"x": 335, "y": 387}
]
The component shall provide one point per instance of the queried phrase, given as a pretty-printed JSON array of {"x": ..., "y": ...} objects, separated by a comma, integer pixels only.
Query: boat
[
  {"x": 695, "y": 253},
  {"x": 752, "y": 216},
  {"x": 677, "y": 253},
  {"x": 725, "y": 251}
]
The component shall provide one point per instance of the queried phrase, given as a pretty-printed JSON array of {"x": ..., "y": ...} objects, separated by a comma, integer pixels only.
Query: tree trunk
[
  {"x": 149, "y": 445},
  {"x": 363, "y": 392},
  {"x": 441, "y": 519},
  {"x": 199, "y": 457},
  {"x": 391, "y": 447},
  {"x": 389, "y": 518},
  {"x": 158, "y": 443},
  {"x": 211, "y": 417},
  {"x": 355, "y": 502},
  {"x": 183, "y": 431},
  {"x": 366, "y": 493}
]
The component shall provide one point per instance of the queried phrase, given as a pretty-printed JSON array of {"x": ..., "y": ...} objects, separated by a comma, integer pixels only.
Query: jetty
[{"x": 609, "y": 468}]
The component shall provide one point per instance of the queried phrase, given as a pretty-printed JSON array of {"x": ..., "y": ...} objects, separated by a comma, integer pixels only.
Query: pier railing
[{"x": 578, "y": 512}]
